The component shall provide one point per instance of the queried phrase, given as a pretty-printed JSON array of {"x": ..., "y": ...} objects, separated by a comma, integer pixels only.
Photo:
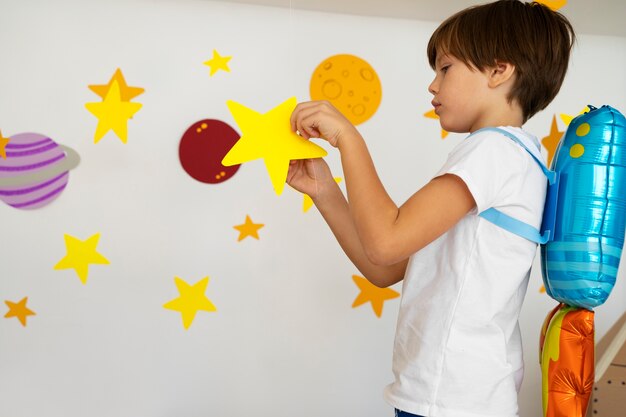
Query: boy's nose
[{"x": 433, "y": 87}]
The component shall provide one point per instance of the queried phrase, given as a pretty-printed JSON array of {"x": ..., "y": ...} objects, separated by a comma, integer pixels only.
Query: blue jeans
[{"x": 404, "y": 414}]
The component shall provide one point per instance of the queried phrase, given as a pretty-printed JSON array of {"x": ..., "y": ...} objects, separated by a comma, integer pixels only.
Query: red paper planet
[{"x": 202, "y": 148}]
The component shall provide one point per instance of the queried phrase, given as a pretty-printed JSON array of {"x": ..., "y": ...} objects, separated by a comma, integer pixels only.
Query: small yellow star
[
  {"x": 113, "y": 114},
  {"x": 19, "y": 310},
  {"x": 80, "y": 254},
  {"x": 432, "y": 115},
  {"x": 3, "y": 143},
  {"x": 126, "y": 93},
  {"x": 269, "y": 136},
  {"x": 553, "y": 4},
  {"x": 551, "y": 141},
  {"x": 248, "y": 229},
  {"x": 192, "y": 299},
  {"x": 567, "y": 118},
  {"x": 307, "y": 203},
  {"x": 218, "y": 62},
  {"x": 372, "y": 294}
]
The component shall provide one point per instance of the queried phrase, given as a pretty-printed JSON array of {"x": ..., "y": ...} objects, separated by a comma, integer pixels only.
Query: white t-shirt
[{"x": 458, "y": 349}]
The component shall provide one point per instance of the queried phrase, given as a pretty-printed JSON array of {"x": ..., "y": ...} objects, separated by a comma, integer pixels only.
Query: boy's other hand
[
  {"x": 310, "y": 176},
  {"x": 320, "y": 119}
]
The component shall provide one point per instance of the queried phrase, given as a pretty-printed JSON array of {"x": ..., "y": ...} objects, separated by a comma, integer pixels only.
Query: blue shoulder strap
[{"x": 549, "y": 216}]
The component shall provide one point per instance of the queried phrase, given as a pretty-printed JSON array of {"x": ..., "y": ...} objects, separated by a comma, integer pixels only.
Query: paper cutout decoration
[
  {"x": 370, "y": 293},
  {"x": 307, "y": 202},
  {"x": 218, "y": 62},
  {"x": 3, "y": 143},
  {"x": 19, "y": 310},
  {"x": 350, "y": 84},
  {"x": 551, "y": 141},
  {"x": 553, "y": 4},
  {"x": 114, "y": 111},
  {"x": 35, "y": 171},
  {"x": 248, "y": 229},
  {"x": 432, "y": 115},
  {"x": 202, "y": 148},
  {"x": 191, "y": 300},
  {"x": 269, "y": 136},
  {"x": 567, "y": 118},
  {"x": 80, "y": 254}
]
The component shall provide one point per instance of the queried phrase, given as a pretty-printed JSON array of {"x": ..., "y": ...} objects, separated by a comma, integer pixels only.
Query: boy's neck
[{"x": 501, "y": 113}]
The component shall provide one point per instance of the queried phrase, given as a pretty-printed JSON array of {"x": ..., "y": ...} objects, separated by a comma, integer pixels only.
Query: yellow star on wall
[
  {"x": 269, "y": 136},
  {"x": 372, "y": 294},
  {"x": 3, "y": 143},
  {"x": 192, "y": 299},
  {"x": 553, "y": 4},
  {"x": 551, "y": 141},
  {"x": 80, "y": 254},
  {"x": 307, "y": 203},
  {"x": 126, "y": 93},
  {"x": 218, "y": 62},
  {"x": 113, "y": 113},
  {"x": 432, "y": 115},
  {"x": 19, "y": 310},
  {"x": 248, "y": 229},
  {"x": 567, "y": 118}
]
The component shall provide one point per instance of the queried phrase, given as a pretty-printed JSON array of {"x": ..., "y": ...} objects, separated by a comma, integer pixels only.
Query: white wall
[{"x": 285, "y": 339}]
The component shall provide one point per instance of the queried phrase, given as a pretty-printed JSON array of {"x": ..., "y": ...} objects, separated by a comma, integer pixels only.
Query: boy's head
[{"x": 534, "y": 39}]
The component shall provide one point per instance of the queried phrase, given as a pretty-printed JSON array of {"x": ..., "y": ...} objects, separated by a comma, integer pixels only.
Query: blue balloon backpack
[{"x": 584, "y": 219}]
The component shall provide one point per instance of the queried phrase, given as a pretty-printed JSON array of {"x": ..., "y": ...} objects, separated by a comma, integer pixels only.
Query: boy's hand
[
  {"x": 320, "y": 119},
  {"x": 310, "y": 176}
]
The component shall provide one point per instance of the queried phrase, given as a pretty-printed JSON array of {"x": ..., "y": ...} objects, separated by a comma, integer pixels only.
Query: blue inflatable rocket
[{"x": 586, "y": 212}]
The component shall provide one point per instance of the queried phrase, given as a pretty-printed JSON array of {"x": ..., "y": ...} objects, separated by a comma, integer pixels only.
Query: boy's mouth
[{"x": 436, "y": 105}]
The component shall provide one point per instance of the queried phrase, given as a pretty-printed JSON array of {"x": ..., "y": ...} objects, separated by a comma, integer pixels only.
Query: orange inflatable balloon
[{"x": 567, "y": 361}]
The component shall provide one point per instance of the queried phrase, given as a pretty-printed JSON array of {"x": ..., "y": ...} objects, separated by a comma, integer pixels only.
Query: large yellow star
[
  {"x": 80, "y": 254},
  {"x": 192, "y": 299},
  {"x": 551, "y": 141},
  {"x": 248, "y": 229},
  {"x": 19, "y": 310},
  {"x": 218, "y": 62},
  {"x": 269, "y": 136},
  {"x": 432, "y": 115},
  {"x": 372, "y": 294},
  {"x": 126, "y": 93},
  {"x": 3, "y": 143},
  {"x": 113, "y": 114}
]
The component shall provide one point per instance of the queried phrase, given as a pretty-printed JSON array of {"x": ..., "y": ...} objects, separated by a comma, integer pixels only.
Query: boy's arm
[
  {"x": 389, "y": 234},
  {"x": 334, "y": 208},
  {"x": 313, "y": 177}
]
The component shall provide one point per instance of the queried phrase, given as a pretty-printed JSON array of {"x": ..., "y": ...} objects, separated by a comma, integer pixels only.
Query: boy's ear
[{"x": 501, "y": 73}]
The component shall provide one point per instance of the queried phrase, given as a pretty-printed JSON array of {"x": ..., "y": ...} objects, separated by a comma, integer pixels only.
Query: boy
[{"x": 458, "y": 350}]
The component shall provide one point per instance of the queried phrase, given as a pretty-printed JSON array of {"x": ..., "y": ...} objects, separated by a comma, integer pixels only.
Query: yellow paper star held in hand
[
  {"x": 551, "y": 141},
  {"x": 113, "y": 114},
  {"x": 372, "y": 294},
  {"x": 126, "y": 93},
  {"x": 432, "y": 115},
  {"x": 192, "y": 299},
  {"x": 307, "y": 203},
  {"x": 19, "y": 310},
  {"x": 80, "y": 254},
  {"x": 3, "y": 143},
  {"x": 248, "y": 229},
  {"x": 218, "y": 62},
  {"x": 269, "y": 136}
]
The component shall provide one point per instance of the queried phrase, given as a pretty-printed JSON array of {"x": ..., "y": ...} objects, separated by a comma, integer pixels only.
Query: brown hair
[{"x": 532, "y": 37}]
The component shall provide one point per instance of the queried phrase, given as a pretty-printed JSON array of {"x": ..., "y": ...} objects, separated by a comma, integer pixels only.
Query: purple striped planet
[{"x": 35, "y": 170}]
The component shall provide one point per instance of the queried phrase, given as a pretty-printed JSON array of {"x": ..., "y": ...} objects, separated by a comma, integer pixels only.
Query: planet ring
[{"x": 70, "y": 162}]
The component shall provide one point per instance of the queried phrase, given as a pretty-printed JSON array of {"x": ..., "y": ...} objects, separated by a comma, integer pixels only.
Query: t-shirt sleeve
[{"x": 486, "y": 162}]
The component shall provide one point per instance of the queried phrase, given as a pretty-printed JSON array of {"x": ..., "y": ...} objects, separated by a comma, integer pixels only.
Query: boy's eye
[{"x": 444, "y": 69}]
